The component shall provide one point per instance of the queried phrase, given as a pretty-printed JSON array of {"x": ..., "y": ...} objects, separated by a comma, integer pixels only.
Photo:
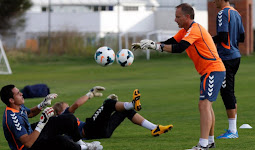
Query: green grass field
[{"x": 169, "y": 87}]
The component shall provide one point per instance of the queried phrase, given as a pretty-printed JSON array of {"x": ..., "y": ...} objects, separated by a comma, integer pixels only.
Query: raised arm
[
  {"x": 46, "y": 102},
  {"x": 28, "y": 140},
  {"x": 94, "y": 92}
]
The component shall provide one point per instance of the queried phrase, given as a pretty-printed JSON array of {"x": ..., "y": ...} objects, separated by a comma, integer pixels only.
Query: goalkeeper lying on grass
[
  {"x": 45, "y": 134},
  {"x": 110, "y": 115}
]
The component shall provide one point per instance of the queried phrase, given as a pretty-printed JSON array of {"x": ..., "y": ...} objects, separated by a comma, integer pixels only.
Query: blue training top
[
  {"x": 15, "y": 124},
  {"x": 229, "y": 20}
]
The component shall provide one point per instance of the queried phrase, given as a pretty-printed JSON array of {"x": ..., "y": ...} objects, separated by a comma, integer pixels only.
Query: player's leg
[
  {"x": 205, "y": 107},
  {"x": 62, "y": 124},
  {"x": 209, "y": 88},
  {"x": 229, "y": 99},
  {"x": 55, "y": 142},
  {"x": 211, "y": 143},
  {"x": 156, "y": 130},
  {"x": 136, "y": 118},
  {"x": 134, "y": 104}
]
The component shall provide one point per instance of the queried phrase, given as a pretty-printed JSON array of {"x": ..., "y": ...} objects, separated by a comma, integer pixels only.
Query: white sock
[
  {"x": 128, "y": 105},
  {"x": 210, "y": 139},
  {"x": 80, "y": 142},
  {"x": 148, "y": 125},
  {"x": 232, "y": 125},
  {"x": 83, "y": 147},
  {"x": 203, "y": 142}
]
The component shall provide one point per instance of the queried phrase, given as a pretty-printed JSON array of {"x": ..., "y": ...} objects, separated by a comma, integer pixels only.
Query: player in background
[
  {"x": 109, "y": 115},
  {"x": 230, "y": 32},
  {"x": 200, "y": 47},
  {"x": 48, "y": 131}
]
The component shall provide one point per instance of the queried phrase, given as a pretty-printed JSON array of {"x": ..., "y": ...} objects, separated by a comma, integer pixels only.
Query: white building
[{"x": 106, "y": 16}]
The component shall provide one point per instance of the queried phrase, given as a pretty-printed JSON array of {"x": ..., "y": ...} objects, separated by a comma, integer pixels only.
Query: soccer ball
[
  {"x": 124, "y": 57},
  {"x": 104, "y": 56}
]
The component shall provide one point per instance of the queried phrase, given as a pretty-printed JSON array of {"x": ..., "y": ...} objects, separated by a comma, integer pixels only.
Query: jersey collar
[{"x": 12, "y": 109}]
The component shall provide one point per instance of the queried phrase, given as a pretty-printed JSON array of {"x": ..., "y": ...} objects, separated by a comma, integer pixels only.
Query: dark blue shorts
[{"x": 210, "y": 85}]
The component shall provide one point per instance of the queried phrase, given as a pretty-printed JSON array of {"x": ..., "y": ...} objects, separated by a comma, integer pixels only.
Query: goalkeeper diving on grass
[
  {"x": 200, "y": 47},
  {"x": 109, "y": 115}
]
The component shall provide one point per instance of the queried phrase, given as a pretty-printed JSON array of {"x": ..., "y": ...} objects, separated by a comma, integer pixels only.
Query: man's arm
[
  {"x": 173, "y": 48},
  {"x": 28, "y": 140},
  {"x": 46, "y": 102},
  {"x": 78, "y": 103},
  {"x": 94, "y": 92},
  {"x": 34, "y": 112},
  {"x": 169, "y": 41},
  {"x": 221, "y": 37}
]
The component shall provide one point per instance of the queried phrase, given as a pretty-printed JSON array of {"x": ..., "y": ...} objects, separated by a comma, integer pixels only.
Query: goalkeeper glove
[
  {"x": 47, "y": 101},
  {"x": 95, "y": 92},
  {"x": 113, "y": 96},
  {"x": 135, "y": 46},
  {"x": 149, "y": 44},
  {"x": 45, "y": 116}
]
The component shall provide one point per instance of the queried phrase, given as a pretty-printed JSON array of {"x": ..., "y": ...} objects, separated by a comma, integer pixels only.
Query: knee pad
[
  {"x": 229, "y": 102},
  {"x": 130, "y": 114}
]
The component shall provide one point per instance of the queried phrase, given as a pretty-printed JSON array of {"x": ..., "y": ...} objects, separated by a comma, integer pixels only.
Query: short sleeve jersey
[
  {"x": 202, "y": 49},
  {"x": 15, "y": 124},
  {"x": 230, "y": 21}
]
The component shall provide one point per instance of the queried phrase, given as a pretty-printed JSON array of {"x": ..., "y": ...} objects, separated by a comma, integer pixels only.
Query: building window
[
  {"x": 110, "y": 8},
  {"x": 130, "y": 8},
  {"x": 44, "y": 9}
]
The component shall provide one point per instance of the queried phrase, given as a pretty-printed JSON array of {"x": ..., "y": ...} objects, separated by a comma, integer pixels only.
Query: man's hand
[
  {"x": 95, "y": 92},
  {"x": 113, "y": 96},
  {"x": 47, "y": 101},
  {"x": 135, "y": 46},
  {"x": 149, "y": 44},
  {"x": 45, "y": 116}
]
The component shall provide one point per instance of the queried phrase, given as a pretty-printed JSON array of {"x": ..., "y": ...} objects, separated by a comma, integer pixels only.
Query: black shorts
[
  {"x": 228, "y": 86},
  {"x": 51, "y": 137},
  {"x": 105, "y": 120}
]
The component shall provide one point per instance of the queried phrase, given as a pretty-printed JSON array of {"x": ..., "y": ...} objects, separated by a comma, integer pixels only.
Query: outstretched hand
[
  {"x": 135, "y": 46},
  {"x": 95, "y": 92},
  {"x": 47, "y": 101},
  {"x": 113, "y": 96},
  {"x": 45, "y": 116}
]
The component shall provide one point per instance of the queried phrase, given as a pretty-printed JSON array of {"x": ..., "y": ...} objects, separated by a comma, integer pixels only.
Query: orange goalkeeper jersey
[{"x": 202, "y": 49}]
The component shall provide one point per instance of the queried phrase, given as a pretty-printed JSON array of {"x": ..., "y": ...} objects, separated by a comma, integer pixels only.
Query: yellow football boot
[
  {"x": 161, "y": 129},
  {"x": 136, "y": 100}
]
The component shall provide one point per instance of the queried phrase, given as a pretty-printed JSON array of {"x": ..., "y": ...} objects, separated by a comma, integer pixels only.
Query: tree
[{"x": 11, "y": 13}]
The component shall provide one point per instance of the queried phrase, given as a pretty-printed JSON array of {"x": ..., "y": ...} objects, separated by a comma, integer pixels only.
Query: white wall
[{"x": 91, "y": 22}]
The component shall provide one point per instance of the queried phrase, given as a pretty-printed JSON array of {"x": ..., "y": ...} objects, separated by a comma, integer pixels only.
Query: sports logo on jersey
[
  {"x": 220, "y": 18},
  {"x": 16, "y": 122},
  {"x": 99, "y": 110},
  {"x": 210, "y": 85},
  {"x": 224, "y": 83},
  {"x": 188, "y": 32}
]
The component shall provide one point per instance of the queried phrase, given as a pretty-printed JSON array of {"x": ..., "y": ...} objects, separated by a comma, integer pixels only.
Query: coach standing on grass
[
  {"x": 47, "y": 134},
  {"x": 200, "y": 47},
  {"x": 230, "y": 32}
]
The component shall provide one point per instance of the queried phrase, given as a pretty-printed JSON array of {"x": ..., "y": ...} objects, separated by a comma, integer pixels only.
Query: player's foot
[
  {"x": 228, "y": 135},
  {"x": 136, "y": 100},
  {"x": 212, "y": 145},
  {"x": 161, "y": 129},
  {"x": 96, "y": 145},
  {"x": 199, "y": 147}
]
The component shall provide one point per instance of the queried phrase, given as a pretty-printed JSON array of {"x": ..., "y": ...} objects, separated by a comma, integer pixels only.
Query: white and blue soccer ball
[
  {"x": 125, "y": 57},
  {"x": 104, "y": 56}
]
